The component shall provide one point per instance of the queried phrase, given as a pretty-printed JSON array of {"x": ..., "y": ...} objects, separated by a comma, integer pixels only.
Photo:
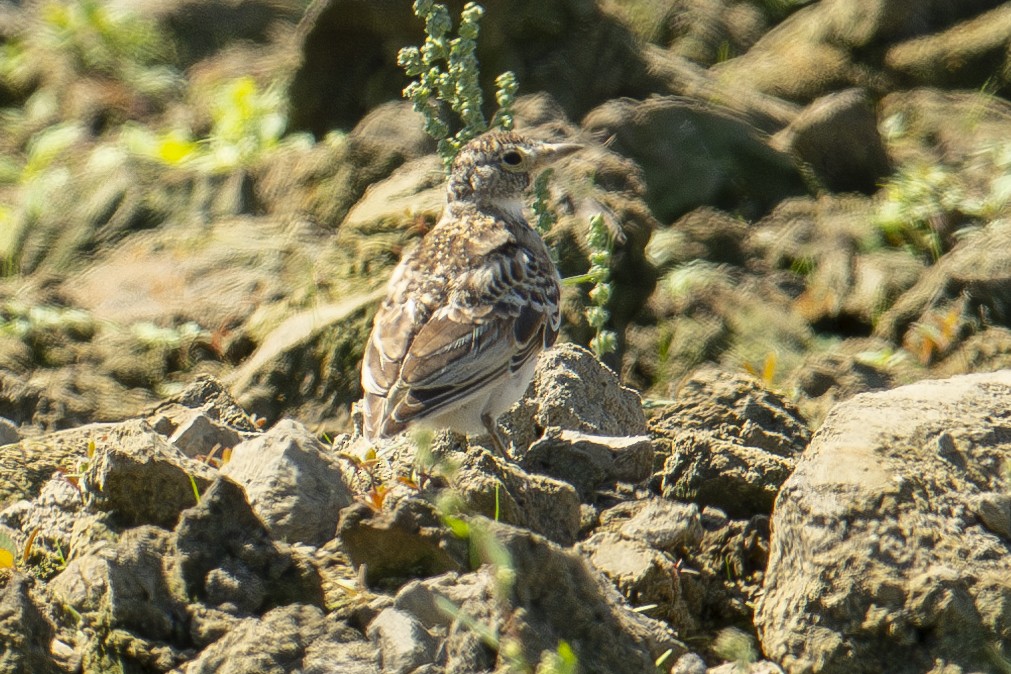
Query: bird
[{"x": 467, "y": 311}]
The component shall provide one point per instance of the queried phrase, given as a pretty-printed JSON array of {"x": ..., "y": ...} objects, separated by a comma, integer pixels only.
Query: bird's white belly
[{"x": 493, "y": 399}]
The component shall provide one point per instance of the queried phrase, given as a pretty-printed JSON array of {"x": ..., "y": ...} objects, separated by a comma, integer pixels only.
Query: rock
[
  {"x": 59, "y": 512},
  {"x": 722, "y": 576},
  {"x": 762, "y": 667},
  {"x": 794, "y": 61},
  {"x": 294, "y": 486},
  {"x": 642, "y": 575},
  {"x": 837, "y": 374},
  {"x": 287, "y": 639},
  {"x": 137, "y": 475},
  {"x": 199, "y": 435},
  {"x": 9, "y": 433},
  {"x": 126, "y": 586},
  {"x": 876, "y": 533},
  {"x": 703, "y": 137},
  {"x": 986, "y": 351},
  {"x": 588, "y": 461},
  {"x": 950, "y": 128},
  {"x": 833, "y": 45},
  {"x": 324, "y": 183},
  {"x": 705, "y": 233},
  {"x": 66, "y": 395},
  {"x": 533, "y": 594},
  {"x": 994, "y": 511},
  {"x": 665, "y": 525},
  {"x": 732, "y": 443},
  {"x": 208, "y": 397},
  {"x": 402, "y": 642},
  {"x": 837, "y": 138},
  {"x": 689, "y": 663},
  {"x": 705, "y": 31},
  {"x": 405, "y": 538},
  {"x": 494, "y": 488},
  {"x": 703, "y": 313},
  {"x": 227, "y": 559},
  {"x": 965, "y": 56},
  {"x": 941, "y": 309},
  {"x": 25, "y": 632},
  {"x": 847, "y": 279},
  {"x": 199, "y": 29},
  {"x": 571, "y": 49},
  {"x": 397, "y": 533},
  {"x": 767, "y": 113},
  {"x": 572, "y": 390},
  {"x": 306, "y": 367},
  {"x": 415, "y": 190}
]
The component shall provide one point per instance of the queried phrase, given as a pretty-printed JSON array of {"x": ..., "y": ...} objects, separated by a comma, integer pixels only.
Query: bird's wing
[{"x": 449, "y": 355}]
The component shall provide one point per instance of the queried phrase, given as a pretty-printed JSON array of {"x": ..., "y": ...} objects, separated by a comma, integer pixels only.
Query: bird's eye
[{"x": 512, "y": 158}]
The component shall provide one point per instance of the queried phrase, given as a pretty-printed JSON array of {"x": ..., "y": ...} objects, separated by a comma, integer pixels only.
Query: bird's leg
[{"x": 496, "y": 438}]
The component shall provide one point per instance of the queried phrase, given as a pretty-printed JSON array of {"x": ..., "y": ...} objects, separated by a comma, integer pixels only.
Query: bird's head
[{"x": 497, "y": 167}]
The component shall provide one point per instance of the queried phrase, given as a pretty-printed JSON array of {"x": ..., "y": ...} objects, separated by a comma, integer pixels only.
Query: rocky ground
[{"x": 799, "y": 460}]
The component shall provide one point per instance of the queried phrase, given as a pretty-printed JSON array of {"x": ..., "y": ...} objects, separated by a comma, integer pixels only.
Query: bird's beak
[{"x": 548, "y": 153}]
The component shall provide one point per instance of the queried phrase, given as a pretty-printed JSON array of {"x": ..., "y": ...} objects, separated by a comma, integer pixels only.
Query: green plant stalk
[
  {"x": 448, "y": 74},
  {"x": 599, "y": 241},
  {"x": 545, "y": 217}
]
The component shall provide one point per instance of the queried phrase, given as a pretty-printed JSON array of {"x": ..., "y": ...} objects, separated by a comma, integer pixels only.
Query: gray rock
[
  {"x": 876, "y": 533},
  {"x": 689, "y": 663},
  {"x": 533, "y": 594},
  {"x": 969, "y": 280},
  {"x": 141, "y": 478},
  {"x": 199, "y": 435},
  {"x": 127, "y": 585},
  {"x": 293, "y": 484},
  {"x": 27, "y": 465},
  {"x": 403, "y": 643},
  {"x": 287, "y": 639},
  {"x": 59, "y": 511},
  {"x": 980, "y": 42},
  {"x": 665, "y": 525},
  {"x": 208, "y": 624},
  {"x": 421, "y": 600},
  {"x": 572, "y": 390},
  {"x": 588, "y": 461},
  {"x": 762, "y": 667},
  {"x": 732, "y": 443},
  {"x": 994, "y": 511},
  {"x": 579, "y": 53},
  {"x": 718, "y": 149},
  {"x": 643, "y": 575},
  {"x": 488, "y": 485},
  {"x": 25, "y": 632},
  {"x": 221, "y": 545},
  {"x": 402, "y": 539},
  {"x": 293, "y": 371},
  {"x": 9, "y": 432},
  {"x": 342, "y": 651},
  {"x": 205, "y": 395},
  {"x": 837, "y": 137}
]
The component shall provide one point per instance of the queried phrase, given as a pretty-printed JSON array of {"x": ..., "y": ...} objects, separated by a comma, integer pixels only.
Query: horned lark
[{"x": 468, "y": 310}]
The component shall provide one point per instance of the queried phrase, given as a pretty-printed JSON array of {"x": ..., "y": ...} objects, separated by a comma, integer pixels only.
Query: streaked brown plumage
[{"x": 467, "y": 311}]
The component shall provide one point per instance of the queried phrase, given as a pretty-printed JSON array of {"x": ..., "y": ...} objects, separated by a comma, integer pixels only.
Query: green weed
[
  {"x": 447, "y": 73},
  {"x": 736, "y": 646}
]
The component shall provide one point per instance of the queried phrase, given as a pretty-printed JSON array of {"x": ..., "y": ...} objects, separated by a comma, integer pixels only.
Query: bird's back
[{"x": 465, "y": 311}]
